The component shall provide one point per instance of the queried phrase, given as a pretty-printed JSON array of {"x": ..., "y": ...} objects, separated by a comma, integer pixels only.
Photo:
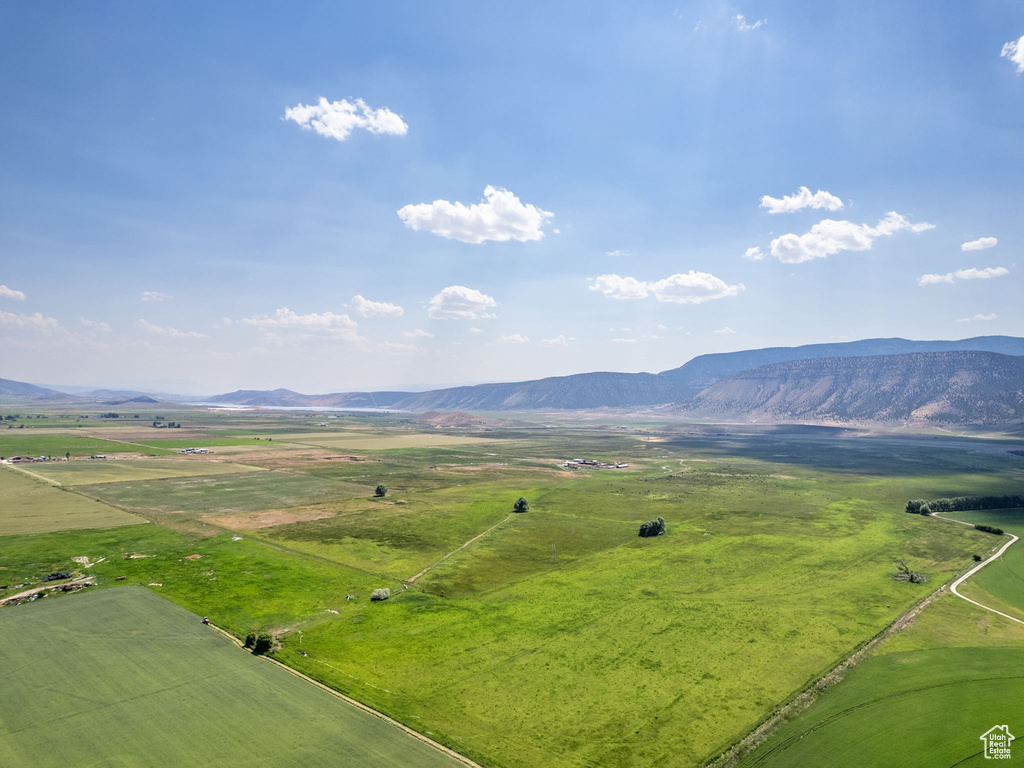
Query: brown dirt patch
[{"x": 267, "y": 518}]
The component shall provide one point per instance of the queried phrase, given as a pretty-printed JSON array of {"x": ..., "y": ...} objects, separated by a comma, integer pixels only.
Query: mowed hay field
[
  {"x": 29, "y": 505},
  {"x": 124, "y": 677},
  {"x": 370, "y": 441},
  {"x": 90, "y": 471}
]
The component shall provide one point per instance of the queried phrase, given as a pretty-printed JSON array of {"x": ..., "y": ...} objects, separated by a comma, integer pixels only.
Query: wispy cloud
[
  {"x": 418, "y": 333},
  {"x": 33, "y": 322},
  {"x": 559, "y": 341},
  {"x": 980, "y": 244},
  {"x": 963, "y": 274},
  {"x": 990, "y": 316},
  {"x": 337, "y": 119},
  {"x": 323, "y": 324},
  {"x": 155, "y": 296},
  {"x": 500, "y": 217},
  {"x": 10, "y": 293},
  {"x": 621, "y": 340},
  {"x": 95, "y": 325},
  {"x": 513, "y": 338},
  {"x": 1014, "y": 51},
  {"x": 366, "y": 308},
  {"x": 829, "y": 237},
  {"x": 170, "y": 332},
  {"x": 802, "y": 198},
  {"x": 744, "y": 26},
  {"x": 457, "y": 302},
  {"x": 727, "y": 331},
  {"x": 682, "y": 288}
]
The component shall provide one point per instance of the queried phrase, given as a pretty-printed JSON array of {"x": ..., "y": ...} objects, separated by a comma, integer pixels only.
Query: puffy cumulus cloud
[
  {"x": 754, "y": 254},
  {"x": 802, "y": 198},
  {"x": 173, "y": 333},
  {"x": 33, "y": 322},
  {"x": 980, "y": 244},
  {"x": 457, "y": 302},
  {"x": 324, "y": 324},
  {"x": 95, "y": 325},
  {"x": 682, "y": 288},
  {"x": 727, "y": 331},
  {"x": 502, "y": 216},
  {"x": 745, "y": 26},
  {"x": 154, "y": 296},
  {"x": 366, "y": 308},
  {"x": 829, "y": 237},
  {"x": 963, "y": 274},
  {"x": 559, "y": 341},
  {"x": 337, "y": 119},
  {"x": 990, "y": 316},
  {"x": 10, "y": 293},
  {"x": 513, "y": 338},
  {"x": 418, "y": 333},
  {"x": 1014, "y": 51}
]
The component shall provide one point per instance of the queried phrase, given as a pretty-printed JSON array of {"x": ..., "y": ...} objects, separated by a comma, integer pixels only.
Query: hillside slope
[
  {"x": 20, "y": 391},
  {"x": 936, "y": 387}
]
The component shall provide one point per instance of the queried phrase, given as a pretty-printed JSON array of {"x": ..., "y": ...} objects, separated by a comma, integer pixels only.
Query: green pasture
[
  {"x": 31, "y": 505},
  {"x": 121, "y": 470},
  {"x": 206, "y": 440},
  {"x": 1000, "y": 584},
  {"x": 33, "y": 443},
  {"x": 368, "y": 441},
  {"x": 124, "y": 677}
]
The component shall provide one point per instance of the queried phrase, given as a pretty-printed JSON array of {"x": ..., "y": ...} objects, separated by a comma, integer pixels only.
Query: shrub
[
  {"x": 977, "y": 558},
  {"x": 654, "y": 527},
  {"x": 381, "y": 594},
  {"x": 264, "y": 642},
  {"x": 250, "y": 639},
  {"x": 380, "y": 491},
  {"x": 521, "y": 505},
  {"x": 905, "y": 574},
  {"x": 989, "y": 529}
]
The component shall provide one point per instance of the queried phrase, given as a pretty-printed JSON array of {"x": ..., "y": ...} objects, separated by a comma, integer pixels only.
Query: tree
[
  {"x": 67, "y": 455},
  {"x": 380, "y": 594},
  {"x": 521, "y": 505},
  {"x": 977, "y": 558},
  {"x": 905, "y": 574},
  {"x": 654, "y": 527},
  {"x": 380, "y": 491},
  {"x": 250, "y": 638},
  {"x": 264, "y": 642}
]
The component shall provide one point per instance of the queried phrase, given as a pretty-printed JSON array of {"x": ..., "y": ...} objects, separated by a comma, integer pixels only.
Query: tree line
[{"x": 963, "y": 504}]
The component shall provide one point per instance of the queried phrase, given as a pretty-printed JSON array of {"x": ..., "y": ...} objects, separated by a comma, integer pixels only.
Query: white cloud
[
  {"x": 558, "y": 341},
  {"x": 457, "y": 302},
  {"x": 475, "y": 330},
  {"x": 980, "y": 244},
  {"x": 690, "y": 288},
  {"x": 33, "y": 322},
  {"x": 754, "y": 254},
  {"x": 802, "y": 198},
  {"x": 660, "y": 327},
  {"x": 829, "y": 237},
  {"x": 501, "y": 217},
  {"x": 171, "y": 332},
  {"x": 366, "y": 308},
  {"x": 10, "y": 293},
  {"x": 96, "y": 325},
  {"x": 324, "y": 323},
  {"x": 743, "y": 26},
  {"x": 963, "y": 274},
  {"x": 513, "y": 338},
  {"x": 418, "y": 333},
  {"x": 617, "y": 253},
  {"x": 725, "y": 331},
  {"x": 337, "y": 119},
  {"x": 623, "y": 341},
  {"x": 1014, "y": 51},
  {"x": 397, "y": 346},
  {"x": 154, "y": 296},
  {"x": 991, "y": 316}
]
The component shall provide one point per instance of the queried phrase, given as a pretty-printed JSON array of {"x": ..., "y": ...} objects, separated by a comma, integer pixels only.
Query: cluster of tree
[
  {"x": 989, "y": 529},
  {"x": 380, "y": 594},
  {"x": 654, "y": 527},
  {"x": 521, "y": 505},
  {"x": 963, "y": 503},
  {"x": 110, "y": 415},
  {"x": 260, "y": 642},
  {"x": 905, "y": 574},
  {"x": 380, "y": 491}
]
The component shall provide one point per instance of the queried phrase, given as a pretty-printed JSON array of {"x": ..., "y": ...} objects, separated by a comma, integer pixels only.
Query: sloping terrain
[{"x": 946, "y": 387}]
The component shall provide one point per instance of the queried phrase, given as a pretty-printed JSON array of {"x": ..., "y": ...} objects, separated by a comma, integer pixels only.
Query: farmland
[
  {"x": 128, "y": 678},
  {"x": 555, "y": 637}
]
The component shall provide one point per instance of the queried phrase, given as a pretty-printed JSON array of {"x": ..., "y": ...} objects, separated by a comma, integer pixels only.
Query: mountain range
[{"x": 978, "y": 380}]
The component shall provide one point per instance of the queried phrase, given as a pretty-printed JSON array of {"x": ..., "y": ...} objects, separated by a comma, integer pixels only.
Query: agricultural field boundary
[
  {"x": 36, "y": 475},
  {"x": 359, "y": 705},
  {"x": 978, "y": 567},
  {"x": 462, "y": 547}
]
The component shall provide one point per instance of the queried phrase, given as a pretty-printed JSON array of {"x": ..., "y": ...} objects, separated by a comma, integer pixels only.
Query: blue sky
[{"x": 162, "y": 224}]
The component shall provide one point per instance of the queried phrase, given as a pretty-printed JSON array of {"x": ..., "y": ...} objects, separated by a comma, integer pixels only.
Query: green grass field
[
  {"x": 28, "y": 505},
  {"x": 557, "y": 637},
  {"x": 124, "y": 677},
  {"x": 57, "y": 443}
]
